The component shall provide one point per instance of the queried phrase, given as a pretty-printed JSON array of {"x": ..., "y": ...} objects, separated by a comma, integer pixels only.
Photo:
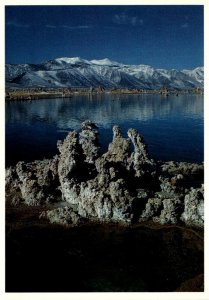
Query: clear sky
[{"x": 161, "y": 36}]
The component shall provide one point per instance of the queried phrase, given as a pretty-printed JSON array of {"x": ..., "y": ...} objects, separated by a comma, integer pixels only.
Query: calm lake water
[{"x": 172, "y": 126}]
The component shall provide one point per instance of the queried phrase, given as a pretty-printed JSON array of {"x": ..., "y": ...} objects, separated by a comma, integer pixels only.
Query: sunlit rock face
[
  {"x": 194, "y": 207},
  {"x": 33, "y": 183},
  {"x": 122, "y": 185}
]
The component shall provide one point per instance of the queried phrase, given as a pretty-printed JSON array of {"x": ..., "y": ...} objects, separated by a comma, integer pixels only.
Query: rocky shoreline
[{"x": 124, "y": 185}]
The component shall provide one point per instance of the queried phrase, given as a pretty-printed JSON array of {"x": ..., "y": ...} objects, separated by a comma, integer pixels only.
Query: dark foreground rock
[
  {"x": 122, "y": 185},
  {"x": 101, "y": 257}
]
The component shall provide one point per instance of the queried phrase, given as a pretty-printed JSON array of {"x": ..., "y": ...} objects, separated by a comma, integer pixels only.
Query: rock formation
[
  {"x": 122, "y": 185},
  {"x": 62, "y": 215},
  {"x": 194, "y": 207},
  {"x": 33, "y": 183}
]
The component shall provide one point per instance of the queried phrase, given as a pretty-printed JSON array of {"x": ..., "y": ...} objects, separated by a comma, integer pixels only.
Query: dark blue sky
[{"x": 160, "y": 36}]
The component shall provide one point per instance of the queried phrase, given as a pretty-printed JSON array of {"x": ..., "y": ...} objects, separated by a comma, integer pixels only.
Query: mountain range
[{"x": 78, "y": 72}]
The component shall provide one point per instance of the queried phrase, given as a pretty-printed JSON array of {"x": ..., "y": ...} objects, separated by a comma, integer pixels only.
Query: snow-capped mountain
[{"x": 77, "y": 72}]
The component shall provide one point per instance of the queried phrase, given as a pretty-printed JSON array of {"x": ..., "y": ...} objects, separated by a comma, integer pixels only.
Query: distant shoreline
[{"x": 12, "y": 94}]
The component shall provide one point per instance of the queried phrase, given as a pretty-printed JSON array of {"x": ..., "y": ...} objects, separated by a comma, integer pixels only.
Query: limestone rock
[
  {"x": 12, "y": 189},
  {"x": 88, "y": 138},
  {"x": 70, "y": 156},
  {"x": 193, "y": 214},
  {"x": 119, "y": 149},
  {"x": 37, "y": 182},
  {"x": 170, "y": 214},
  {"x": 62, "y": 215},
  {"x": 141, "y": 162},
  {"x": 101, "y": 194},
  {"x": 122, "y": 185},
  {"x": 169, "y": 188},
  {"x": 106, "y": 204},
  {"x": 153, "y": 208},
  {"x": 183, "y": 168}
]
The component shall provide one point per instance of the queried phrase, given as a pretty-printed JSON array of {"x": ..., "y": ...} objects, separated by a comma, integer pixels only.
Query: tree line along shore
[{"x": 43, "y": 93}]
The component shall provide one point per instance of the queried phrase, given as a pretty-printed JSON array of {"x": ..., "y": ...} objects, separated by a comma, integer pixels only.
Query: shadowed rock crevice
[{"x": 122, "y": 185}]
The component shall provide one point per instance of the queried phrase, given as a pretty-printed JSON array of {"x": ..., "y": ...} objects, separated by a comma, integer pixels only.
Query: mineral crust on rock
[
  {"x": 88, "y": 138},
  {"x": 62, "y": 215},
  {"x": 122, "y": 185},
  {"x": 35, "y": 183},
  {"x": 193, "y": 214}
]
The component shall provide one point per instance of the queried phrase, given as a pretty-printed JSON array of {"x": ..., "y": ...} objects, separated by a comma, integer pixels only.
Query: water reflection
[{"x": 161, "y": 119}]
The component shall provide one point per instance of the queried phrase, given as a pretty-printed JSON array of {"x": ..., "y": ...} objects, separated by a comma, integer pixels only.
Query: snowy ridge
[{"x": 78, "y": 72}]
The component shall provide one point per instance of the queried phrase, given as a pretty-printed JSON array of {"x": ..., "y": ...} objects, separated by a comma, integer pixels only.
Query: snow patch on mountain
[
  {"x": 197, "y": 74},
  {"x": 72, "y": 60},
  {"x": 78, "y": 72},
  {"x": 105, "y": 62}
]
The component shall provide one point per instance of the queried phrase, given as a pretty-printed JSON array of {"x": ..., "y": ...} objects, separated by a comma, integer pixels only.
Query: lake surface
[{"x": 173, "y": 127}]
